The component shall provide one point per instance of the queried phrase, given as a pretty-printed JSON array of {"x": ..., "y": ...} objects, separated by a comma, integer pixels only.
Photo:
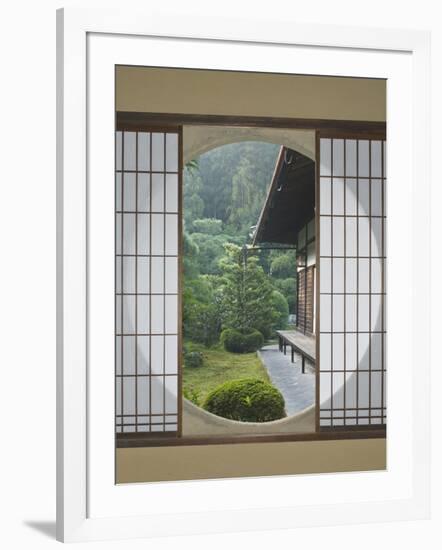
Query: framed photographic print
[{"x": 237, "y": 211}]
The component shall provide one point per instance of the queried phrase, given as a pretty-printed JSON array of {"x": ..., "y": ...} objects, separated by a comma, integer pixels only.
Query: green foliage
[
  {"x": 287, "y": 287},
  {"x": 246, "y": 400},
  {"x": 224, "y": 191},
  {"x": 245, "y": 292},
  {"x": 236, "y": 342},
  {"x": 193, "y": 359},
  {"x": 201, "y": 322},
  {"x": 208, "y": 226},
  {"x": 193, "y": 395},
  {"x": 227, "y": 178},
  {"x": 281, "y": 310},
  {"x": 211, "y": 248},
  {"x": 283, "y": 266}
]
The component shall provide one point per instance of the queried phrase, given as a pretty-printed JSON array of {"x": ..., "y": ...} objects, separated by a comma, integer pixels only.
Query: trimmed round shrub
[
  {"x": 193, "y": 359},
  {"x": 246, "y": 400},
  {"x": 253, "y": 341},
  {"x": 237, "y": 342}
]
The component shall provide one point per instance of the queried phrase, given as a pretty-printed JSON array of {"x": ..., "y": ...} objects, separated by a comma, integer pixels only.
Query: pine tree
[{"x": 246, "y": 292}]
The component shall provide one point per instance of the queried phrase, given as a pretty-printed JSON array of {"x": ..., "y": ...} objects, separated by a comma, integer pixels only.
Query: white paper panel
[
  {"x": 157, "y": 384},
  {"x": 351, "y": 279},
  {"x": 363, "y": 158},
  {"x": 364, "y": 237},
  {"x": 143, "y": 237},
  {"x": 157, "y": 152},
  {"x": 143, "y": 384},
  {"x": 157, "y": 222},
  {"x": 157, "y": 354},
  {"x": 350, "y": 158},
  {"x": 143, "y": 304},
  {"x": 325, "y": 193},
  {"x": 338, "y": 351},
  {"x": 118, "y": 191},
  {"x": 129, "y": 156},
  {"x": 118, "y": 150},
  {"x": 143, "y": 192},
  {"x": 351, "y": 204},
  {"x": 325, "y": 275},
  {"x": 363, "y": 400},
  {"x": 171, "y": 272},
  {"x": 351, "y": 308},
  {"x": 325, "y": 239},
  {"x": 338, "y": 196},
  {"x": 171, "y": 193},
  {"x": 157, "y": 325},
  {"x": 338, "y": 275},
  {"x": 338, "y": 313},
  {"x": 325, "y": 157},
  {"x": 171, "y": 354},
  {"x": 128, "y": 314},
  {"x": 158, "y": 193},
  {"x": 364, "y": 197},
  {"x": 143, "y": 275},
  {"x": 325, "y": 351},
  {"x": 338, "y": 236},
  {"x": 129, "y": 192},
  {"x": 143, "y": 151},
  {"x": 128, "y": 233},
  {"x": 171, "y": 308},
  {"x": 376, "y": 159},
  {"x": 325, "y": 389},
  {"x": 325, "y": 305},
  {"x": 364, "y": 275},
  {"x": 129, "y": 274},
  {"x": 129, "y": 353},
  {"x": 171, "y": 152},
  {"x": 363, "y": 312},
  {"x": 118, "y": 354},
  {"x": 376, "y": 197},
  {"x": 338, "y": 393},
  {"x": 157, "y": 273},
  {"x": 171, "y": 244},
  {"x": 350, "y": 393},
  {"x": 171, "y": 394},
  {"x": 128, "y": 395},
  {"x": 338, "y": 158},
  {"x": 143, "y": 354},
  {"x": 376, "y": 351},
  {"x": 118, "y": 396},
  {"x": 351, "y": 356},
  {"x": 363, "y": 351}
]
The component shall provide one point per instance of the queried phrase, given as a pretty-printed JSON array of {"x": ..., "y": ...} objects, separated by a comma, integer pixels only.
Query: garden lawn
[{"x": 219, "y": 367}]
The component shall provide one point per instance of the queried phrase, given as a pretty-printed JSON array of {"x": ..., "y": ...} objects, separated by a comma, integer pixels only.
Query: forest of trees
[{"x": 227, "y": 284}]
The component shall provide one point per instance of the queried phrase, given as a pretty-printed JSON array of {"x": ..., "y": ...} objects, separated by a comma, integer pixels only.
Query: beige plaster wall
[
  {"x": 249, "y": 459},
  {"x": 249, "y": 94},
  {"x": 253, "y": 94}
]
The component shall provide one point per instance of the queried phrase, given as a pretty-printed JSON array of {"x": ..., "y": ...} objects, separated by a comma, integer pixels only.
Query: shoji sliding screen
[
  {"x": 352, "y": 332},
  {"x": 147, "y": 237}
]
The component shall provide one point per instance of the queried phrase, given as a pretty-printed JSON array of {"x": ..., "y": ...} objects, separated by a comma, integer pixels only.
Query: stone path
[{"x": 297, "y": 389}]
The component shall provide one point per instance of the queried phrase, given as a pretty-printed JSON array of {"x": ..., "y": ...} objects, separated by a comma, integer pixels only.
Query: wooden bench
[{"x": 299, "y": 342}]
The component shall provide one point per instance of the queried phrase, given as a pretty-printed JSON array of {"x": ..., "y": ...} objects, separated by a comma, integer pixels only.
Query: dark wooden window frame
[{"x": 140, "y": 121}]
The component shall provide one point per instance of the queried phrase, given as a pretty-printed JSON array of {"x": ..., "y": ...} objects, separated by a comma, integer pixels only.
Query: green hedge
[
  {"x": 236, "y": 342},
  {"x": 193, "y": 359},
  {"x": 246, "y": 400}
]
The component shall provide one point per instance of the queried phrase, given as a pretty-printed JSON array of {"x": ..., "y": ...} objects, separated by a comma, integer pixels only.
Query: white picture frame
[{"x": 89, "y": 504}]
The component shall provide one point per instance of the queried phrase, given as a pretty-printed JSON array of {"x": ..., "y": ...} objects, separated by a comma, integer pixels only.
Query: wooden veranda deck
[{"x": 298, "y": 342}]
